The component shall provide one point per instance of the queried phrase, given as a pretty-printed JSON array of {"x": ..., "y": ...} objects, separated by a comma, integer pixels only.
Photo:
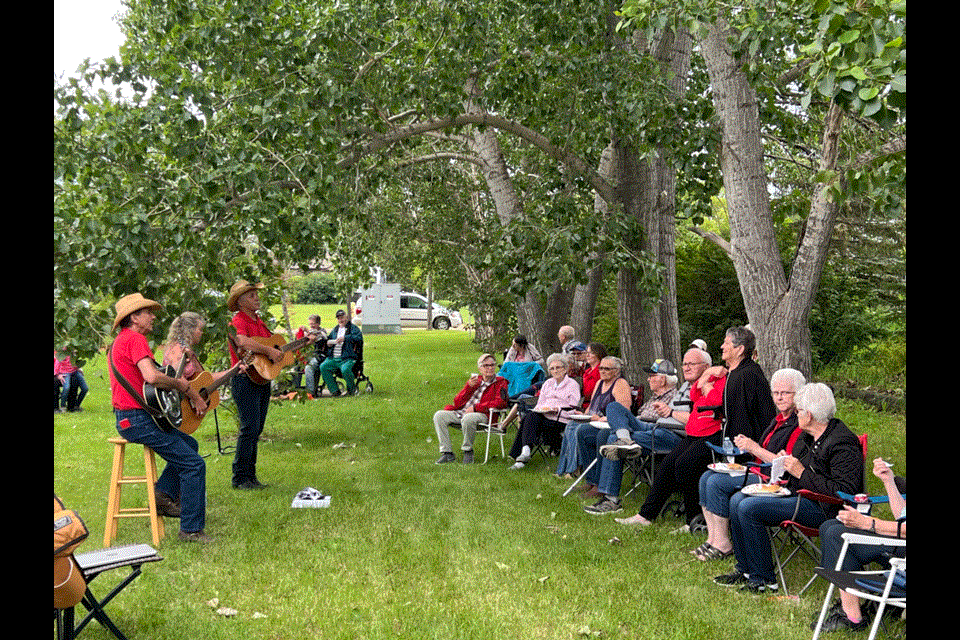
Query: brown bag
[{"x": 69, "y": 531}]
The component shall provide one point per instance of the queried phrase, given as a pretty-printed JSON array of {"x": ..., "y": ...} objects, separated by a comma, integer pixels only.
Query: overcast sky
[{"x": 84, "y": 29}]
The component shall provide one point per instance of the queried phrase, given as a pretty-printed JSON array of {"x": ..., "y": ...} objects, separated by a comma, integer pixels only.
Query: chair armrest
[
  {"x": 866, "y": 538},
  {"x": 818, "y": 497}
]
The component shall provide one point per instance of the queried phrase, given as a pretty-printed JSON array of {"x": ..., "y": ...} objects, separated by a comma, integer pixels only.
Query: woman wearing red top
[
  {"x": 682, "y": 467},
  {"x": 184, "y": 475},
  {"x": 717, "y": 487}
]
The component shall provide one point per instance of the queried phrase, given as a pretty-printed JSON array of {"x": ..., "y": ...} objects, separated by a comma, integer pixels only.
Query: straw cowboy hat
[
  {"x": 132, "y": 303},
  {"x": 237, "y": 290}
]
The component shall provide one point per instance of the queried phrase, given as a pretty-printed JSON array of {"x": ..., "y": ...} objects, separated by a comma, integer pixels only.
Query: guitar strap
[{"x": 126, "y": 385}]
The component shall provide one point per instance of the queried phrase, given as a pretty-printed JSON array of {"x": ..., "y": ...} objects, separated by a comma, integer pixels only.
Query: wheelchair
[{"x": 363, "y": 382}]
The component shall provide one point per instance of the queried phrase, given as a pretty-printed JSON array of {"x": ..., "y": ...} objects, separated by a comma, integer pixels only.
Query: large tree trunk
[
  {"x": 778, "y": 310},
  {"x": 647, "y": 189},
  {"x": 538, "y": 319}
]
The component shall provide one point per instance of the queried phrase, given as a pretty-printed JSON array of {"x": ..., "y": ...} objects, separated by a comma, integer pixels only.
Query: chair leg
[
  {"x": 113, "y": 499},
  {"x": 156, "y": 520}
]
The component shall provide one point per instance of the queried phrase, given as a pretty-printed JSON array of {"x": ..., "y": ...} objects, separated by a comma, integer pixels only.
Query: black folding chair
[{"x": 92, "y": 564}]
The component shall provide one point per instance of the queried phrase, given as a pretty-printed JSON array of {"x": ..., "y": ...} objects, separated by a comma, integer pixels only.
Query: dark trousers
[
  {"x": 534, "y": 428},
  {"x": 680, "y": 470},
  {"x": 252, "y": 401}
]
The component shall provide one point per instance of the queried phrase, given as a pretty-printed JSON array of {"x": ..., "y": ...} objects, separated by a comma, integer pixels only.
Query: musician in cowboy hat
[
  {"x": 131, "y": 365},
  {"x": 252, "y": 396}
]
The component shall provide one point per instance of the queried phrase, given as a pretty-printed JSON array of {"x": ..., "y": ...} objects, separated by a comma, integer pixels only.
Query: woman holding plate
[
  {"x": 545, "y": 420},
  {"x": 827, "y": 458},
  {"x": 720, "y": 482}
]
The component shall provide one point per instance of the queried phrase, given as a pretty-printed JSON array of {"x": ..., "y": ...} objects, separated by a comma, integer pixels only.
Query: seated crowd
[{"x": 784, "y": 436}]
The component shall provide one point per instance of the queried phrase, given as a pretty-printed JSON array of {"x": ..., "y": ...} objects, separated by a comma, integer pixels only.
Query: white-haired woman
[
  {"x": 546, "y": 420},
  {"x": 827, "y": 458},
  {"x": 716, "y": 487}
]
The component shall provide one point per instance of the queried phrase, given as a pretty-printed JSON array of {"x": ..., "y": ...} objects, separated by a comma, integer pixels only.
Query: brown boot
[{"x": 166, "y": 506}]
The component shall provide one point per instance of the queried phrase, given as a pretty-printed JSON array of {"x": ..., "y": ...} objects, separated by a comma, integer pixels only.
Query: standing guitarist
[
  {"x": 250, "y": 392},
  {"x": 131, "y": 357}
]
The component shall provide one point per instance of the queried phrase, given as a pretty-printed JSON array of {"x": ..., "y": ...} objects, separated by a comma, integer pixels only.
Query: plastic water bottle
[{"x": 728, "y": 449}]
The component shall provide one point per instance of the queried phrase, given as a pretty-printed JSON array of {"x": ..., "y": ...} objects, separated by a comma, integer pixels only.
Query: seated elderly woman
[
  {"x": 828, "y": 458},
  {"x": 629, "y": 433},
  {"x": 612, "y": 387},
  {"x": 569, "y": 461},
  {"x": 546, "y": 420},
  {"x": 847, "y": 614},
  {"x": 716, "y": 487}
]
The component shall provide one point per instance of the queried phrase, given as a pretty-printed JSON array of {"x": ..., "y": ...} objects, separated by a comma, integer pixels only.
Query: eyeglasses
[
  {"x": 489, "y": 364},
  {"x": 784, "y": 393},
  {"x": 607, "y": 368},
  {"x": 690, "y": 364}
]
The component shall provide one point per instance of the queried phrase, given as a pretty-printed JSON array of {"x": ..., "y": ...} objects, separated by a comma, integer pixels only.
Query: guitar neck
[
  {"x": 296, "y": 344},
  {"x": 224, "y": 379}
]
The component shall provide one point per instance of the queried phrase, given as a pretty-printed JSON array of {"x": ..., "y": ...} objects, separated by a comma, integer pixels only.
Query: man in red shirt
[
  {"x": 251, "y": 394},
  {"x": 482, "y": 392},
  {"x": 184, "y": 476}
]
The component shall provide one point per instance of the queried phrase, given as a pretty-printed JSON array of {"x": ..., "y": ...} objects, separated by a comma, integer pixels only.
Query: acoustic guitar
[
  {"x": 264, "y": 369},
  {"x": 204, "y": 385},
  {"x": 165, "y": 403}
]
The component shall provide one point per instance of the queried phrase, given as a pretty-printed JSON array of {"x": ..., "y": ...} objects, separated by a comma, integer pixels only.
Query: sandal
[
  {"x": 714, "y": 554},
  {"x": 702, "y": 549}
]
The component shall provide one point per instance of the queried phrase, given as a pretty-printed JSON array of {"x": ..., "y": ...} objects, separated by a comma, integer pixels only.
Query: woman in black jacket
[{"x": 827, "y": 458}]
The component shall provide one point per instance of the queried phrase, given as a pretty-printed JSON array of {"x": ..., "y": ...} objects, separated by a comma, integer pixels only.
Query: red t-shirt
[
  {"x": 702, "y": 423},
  {"x": 246, "y": 325},
  {"x": 127, "y": 350}
]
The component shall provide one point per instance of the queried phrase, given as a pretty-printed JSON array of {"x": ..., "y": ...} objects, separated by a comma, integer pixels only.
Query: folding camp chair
[
  {"x": 92, "y": 564},
  {"x": 791, "y": 537},
  {"x": 885, "y": 587},
  {"x": 491, "y": 428}
]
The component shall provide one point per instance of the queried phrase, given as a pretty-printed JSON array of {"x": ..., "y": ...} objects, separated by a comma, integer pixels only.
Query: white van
[{"x": 413, "y": 313}]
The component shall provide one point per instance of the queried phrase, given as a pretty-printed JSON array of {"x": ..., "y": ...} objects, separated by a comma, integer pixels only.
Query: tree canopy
[{"x": 466, "y": 140}]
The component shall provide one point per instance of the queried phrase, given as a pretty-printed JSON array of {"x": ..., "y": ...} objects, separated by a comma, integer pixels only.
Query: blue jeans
[
  {"x": 73, "y": 380},
  {"x": 589, "y": 438},
  {"x": 253, "y": 401},
  {"x": 327, "y": 368},
  {"x": 569, "y": 459},
  {"x": 749, "y": 518},
  {"x": 310, "y": 373},
  {"x": 716, "y": 489},
  {"x": 611, "y": 471},
  {"x": 184, "y": 477}
]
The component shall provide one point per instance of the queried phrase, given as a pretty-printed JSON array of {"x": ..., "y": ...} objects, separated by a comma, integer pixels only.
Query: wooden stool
[{"x": 118, "y": 479}]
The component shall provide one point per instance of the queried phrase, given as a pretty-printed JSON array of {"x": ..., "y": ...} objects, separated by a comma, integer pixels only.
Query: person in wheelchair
[{"x": 344, "y": 345}]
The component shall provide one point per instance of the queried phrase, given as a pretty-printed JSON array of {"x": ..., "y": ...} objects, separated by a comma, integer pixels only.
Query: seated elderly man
[
  {"x": 827, "y": 458},
  {"x": 660, "y": 420},
  {"x": 568, "y": 340},
  {"x": 471, "y": 407}
]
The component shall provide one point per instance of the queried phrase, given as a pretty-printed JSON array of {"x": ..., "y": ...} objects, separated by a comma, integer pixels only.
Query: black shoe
[
  {"x": 249, "y": 484},
  {"x": 760, "y": 587},
  {"x": 732, "y": 579},
  {"x": 838, "y": 621},
  {"x": 447, "y": 457},
  {"x": 194, "y": 536}
]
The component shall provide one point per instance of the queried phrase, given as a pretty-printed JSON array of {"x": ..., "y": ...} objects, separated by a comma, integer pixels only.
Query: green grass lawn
[{"x": 409, "y": 549}]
